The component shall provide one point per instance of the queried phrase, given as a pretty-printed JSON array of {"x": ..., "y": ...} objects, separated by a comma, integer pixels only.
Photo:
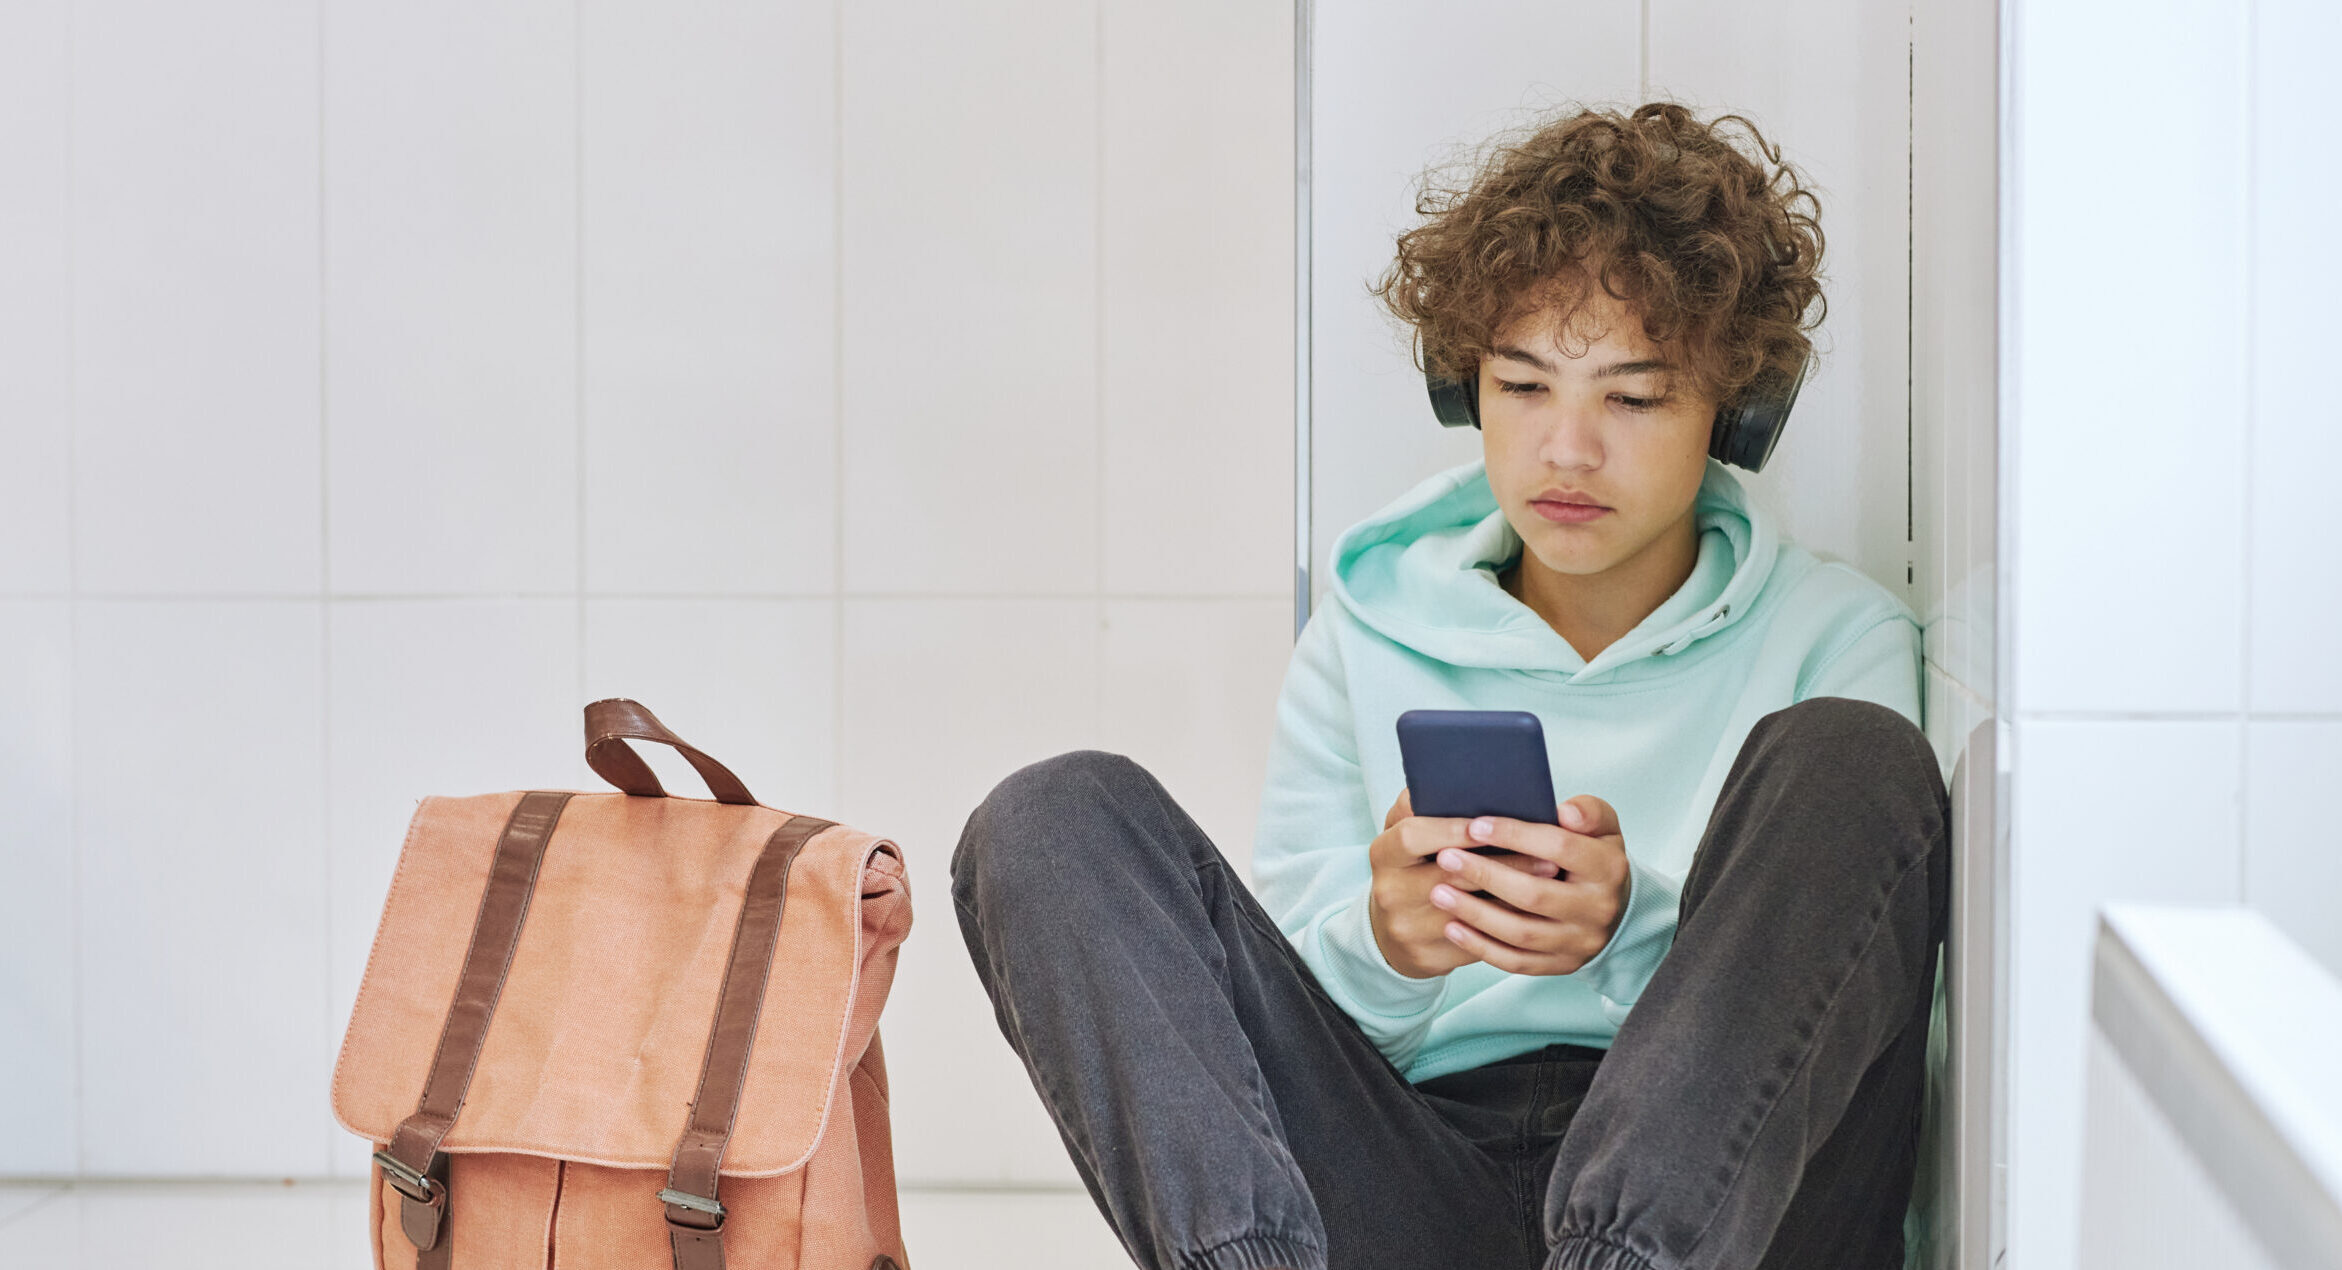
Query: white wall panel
[
  {"x": 1188, "y": 689},
  {"x": 36, "y": 292},
  {"x": 198, "y": 769},
  {"x": 2104, "y": 811},
  {"x": 1196, "y": 334},
  {"x": 195, "y": 314},
  {"x": 37, "y": 956},
  {"x": 709, "y": 298},
  {"x": 2130, "y": 358},
  {"x": 2296, "y": 582},
  {"x": 451, "y": 296},
  {"x": 971, "y": 304}
]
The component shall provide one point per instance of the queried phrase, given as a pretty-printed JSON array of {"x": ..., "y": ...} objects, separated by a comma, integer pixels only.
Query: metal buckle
[
  {"x": 406, "y": 1181},
  {"x": 696, "y": 1203}
]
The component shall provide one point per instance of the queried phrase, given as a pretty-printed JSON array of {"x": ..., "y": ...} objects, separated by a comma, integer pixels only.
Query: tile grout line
[
  {"x": 1098, "y": 372},
  {"x": 577, "y": 299},
  {"x": 73, "y": 679},
  {"x": 1643, "y": 49},
  {"x": 2244, "y": 573},
  {"x": 324, "y": 588},
  {"x": 837, "y": 580},
  {"x": 1304, "y": 299}
]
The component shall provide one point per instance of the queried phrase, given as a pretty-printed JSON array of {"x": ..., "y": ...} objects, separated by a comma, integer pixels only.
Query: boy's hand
[
  {"x": 1408, "y": 927},
  {"x": 1537, "y": 924}
]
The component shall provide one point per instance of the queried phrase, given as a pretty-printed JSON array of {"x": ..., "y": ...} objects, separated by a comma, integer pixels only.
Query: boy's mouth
[{"x": 1568, "y": 513}]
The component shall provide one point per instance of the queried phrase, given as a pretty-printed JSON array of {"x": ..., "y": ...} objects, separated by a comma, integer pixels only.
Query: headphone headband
[{"x": 1742, "y": 435}]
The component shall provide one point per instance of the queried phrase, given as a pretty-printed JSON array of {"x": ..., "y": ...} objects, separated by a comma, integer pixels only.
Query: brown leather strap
[
  {"x": 610, "y": 721},
  {"x": 695, "y": 1220},
  {"x": 412, "y": 1162}
]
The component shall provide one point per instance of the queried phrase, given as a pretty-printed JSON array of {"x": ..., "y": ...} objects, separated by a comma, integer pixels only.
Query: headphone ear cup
[
  {"x": 1455, "y": 401},
  {"x": 1744, "y": 436}
]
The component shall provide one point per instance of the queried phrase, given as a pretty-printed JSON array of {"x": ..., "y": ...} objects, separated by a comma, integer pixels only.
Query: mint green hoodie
[{"x": 1414, "y": 619}]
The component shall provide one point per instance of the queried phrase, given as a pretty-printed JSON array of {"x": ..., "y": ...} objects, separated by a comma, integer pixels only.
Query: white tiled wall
[
  {"x": 888, "y": 397},
  {"x": 191, "y": 301},
  {"x": 2175, "y": 708}
]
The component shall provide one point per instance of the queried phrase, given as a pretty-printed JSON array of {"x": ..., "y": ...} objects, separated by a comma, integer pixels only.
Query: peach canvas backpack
[{"x": 626, "y": 1030}]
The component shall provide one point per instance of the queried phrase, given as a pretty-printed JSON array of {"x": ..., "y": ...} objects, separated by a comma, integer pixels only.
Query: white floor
[{"x": 322, "y": 1226}]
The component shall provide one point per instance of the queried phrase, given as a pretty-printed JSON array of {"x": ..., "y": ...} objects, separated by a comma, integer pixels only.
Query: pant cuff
[
  {"x": 1592, "y": 1252},
  {"x": 1257, "y": 1252}
]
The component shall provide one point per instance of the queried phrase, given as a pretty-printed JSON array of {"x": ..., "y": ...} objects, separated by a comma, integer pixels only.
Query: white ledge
[{"x": 2237, "y": 1035}]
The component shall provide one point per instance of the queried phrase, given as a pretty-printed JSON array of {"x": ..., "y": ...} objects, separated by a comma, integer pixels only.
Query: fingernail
[
  {"x": 1483, "y": 827},
  {"x": 1442, "y": 896},
  {"x": 1569, "y": 815},
  {"x": 1451, "y": 859}
]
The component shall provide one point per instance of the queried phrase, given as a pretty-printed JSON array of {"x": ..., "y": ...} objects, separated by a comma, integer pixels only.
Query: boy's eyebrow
[{"x": 1615, "y": 368}]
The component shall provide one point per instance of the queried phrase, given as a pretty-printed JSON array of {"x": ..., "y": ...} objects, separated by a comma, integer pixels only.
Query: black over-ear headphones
[{"x": 1742, "y": 435}]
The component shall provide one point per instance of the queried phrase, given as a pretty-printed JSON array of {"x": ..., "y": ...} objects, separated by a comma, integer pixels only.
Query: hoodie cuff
[
  {"x": 1361, "y": 979},
  {"x": 1646, "y": 930}
]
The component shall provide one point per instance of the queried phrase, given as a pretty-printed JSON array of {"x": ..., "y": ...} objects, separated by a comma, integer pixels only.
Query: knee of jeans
[
  {"x": 1012, "y": 827},
  {"x": 1852, "y": 730},
  {"x": 1877, "y": 743}
]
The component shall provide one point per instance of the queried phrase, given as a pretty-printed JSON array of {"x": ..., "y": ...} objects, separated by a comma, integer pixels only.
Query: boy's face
[{"x": 1589, "y": 427}]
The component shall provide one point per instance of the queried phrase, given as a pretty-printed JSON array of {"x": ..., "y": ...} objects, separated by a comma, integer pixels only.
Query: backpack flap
[{"x": 600, "y": 1029}]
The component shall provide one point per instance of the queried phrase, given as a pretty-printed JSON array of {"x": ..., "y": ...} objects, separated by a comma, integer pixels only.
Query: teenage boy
[{"x": 1686, "y": 1026}]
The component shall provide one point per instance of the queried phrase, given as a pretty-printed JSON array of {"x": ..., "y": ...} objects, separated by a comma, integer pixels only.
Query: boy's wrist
[{"x": 1364, "y": 977}]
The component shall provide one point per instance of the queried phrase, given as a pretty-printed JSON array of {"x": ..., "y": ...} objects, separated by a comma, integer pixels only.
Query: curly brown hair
[{"x": 1697, "y": 237}]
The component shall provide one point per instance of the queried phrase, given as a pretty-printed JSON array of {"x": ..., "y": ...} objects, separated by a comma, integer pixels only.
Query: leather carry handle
[{"x": 610, "y": 722}]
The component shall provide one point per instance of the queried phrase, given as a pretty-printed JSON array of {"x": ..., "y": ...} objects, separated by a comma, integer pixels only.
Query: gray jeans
[{"x": 1758, "y": 1108}]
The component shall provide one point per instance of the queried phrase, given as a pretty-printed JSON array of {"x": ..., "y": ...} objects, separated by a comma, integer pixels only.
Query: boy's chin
[{"x": 1582, "y": 564}]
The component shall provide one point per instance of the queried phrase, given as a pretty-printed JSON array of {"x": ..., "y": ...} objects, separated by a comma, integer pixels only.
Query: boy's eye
[{"x": 1631, "y": 403}]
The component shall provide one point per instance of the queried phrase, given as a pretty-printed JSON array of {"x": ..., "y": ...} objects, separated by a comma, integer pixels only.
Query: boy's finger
[
  {"x": 1536, "y": 865},
  {"x": 1589, "y": 815},
  {"x": 1513, "y": 886},
  {"x": 1526, "y": 837}
]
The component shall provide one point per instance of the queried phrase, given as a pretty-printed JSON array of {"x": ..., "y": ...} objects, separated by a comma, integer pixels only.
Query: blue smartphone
[{"x": 1477, "y": 763}]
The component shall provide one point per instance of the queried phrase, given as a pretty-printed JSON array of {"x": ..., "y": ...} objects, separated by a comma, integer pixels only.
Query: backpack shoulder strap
[{"x": 695, "y": 1220}]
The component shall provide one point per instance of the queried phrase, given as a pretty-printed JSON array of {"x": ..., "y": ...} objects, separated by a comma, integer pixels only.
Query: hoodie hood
[{"x": 1422, "y": 572}]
